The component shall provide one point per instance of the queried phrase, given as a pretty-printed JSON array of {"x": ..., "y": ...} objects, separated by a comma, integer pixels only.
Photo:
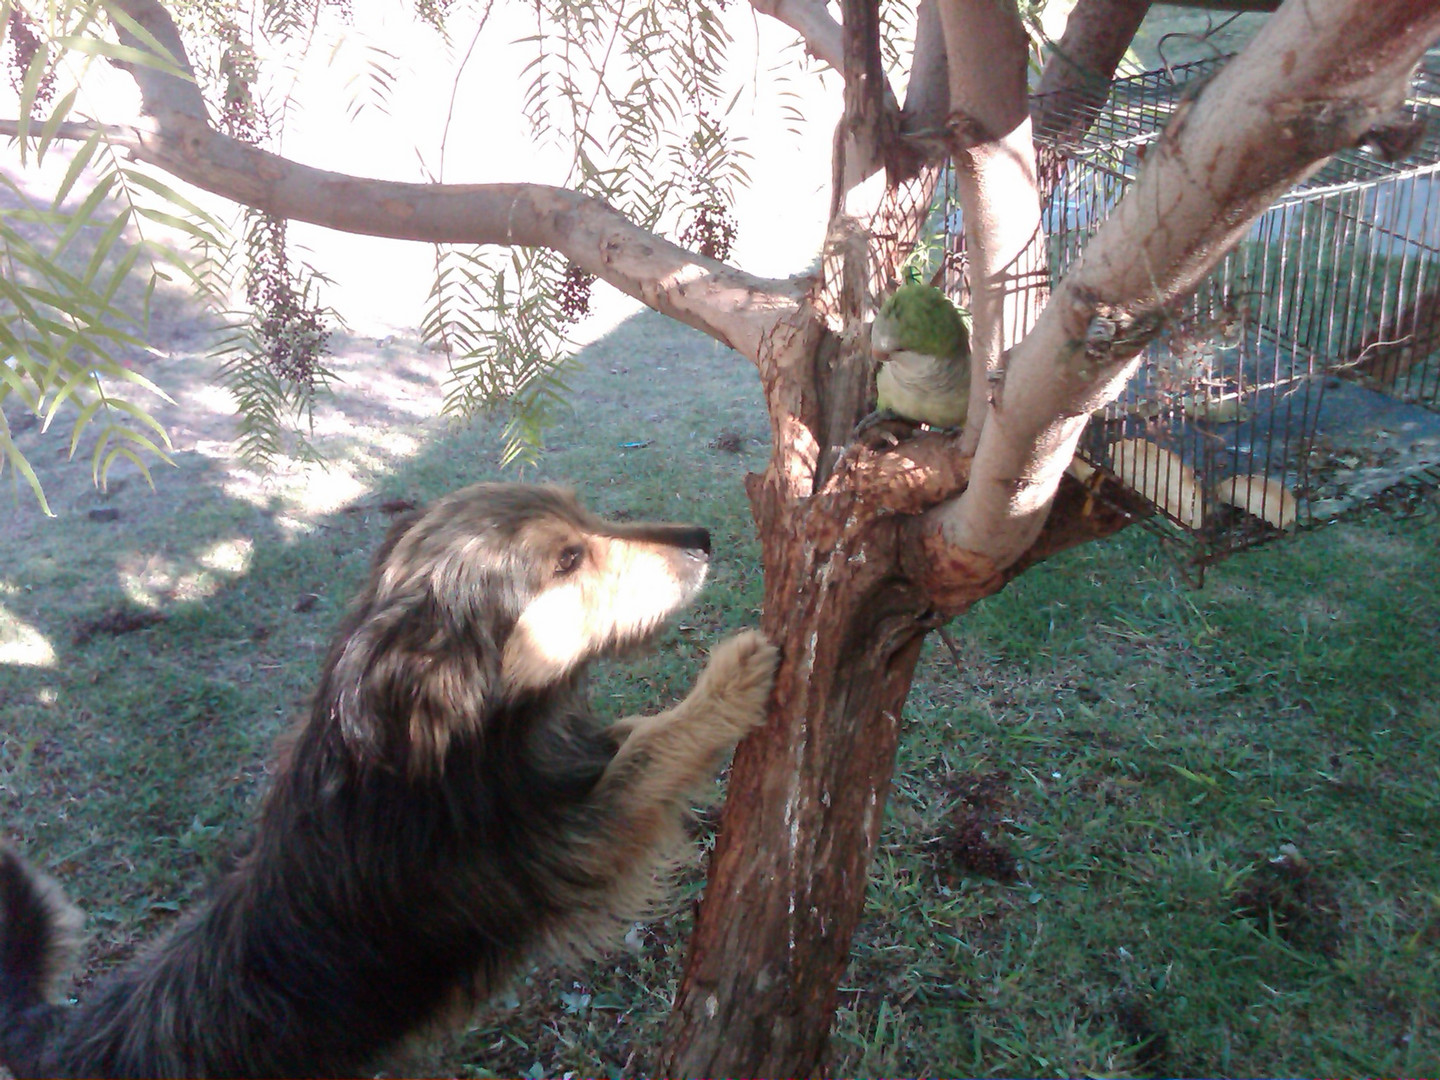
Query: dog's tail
[{"x": 39, "y": 940}]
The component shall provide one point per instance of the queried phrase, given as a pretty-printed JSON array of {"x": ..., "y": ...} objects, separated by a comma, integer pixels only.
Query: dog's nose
[
  {"x": 696, "y": 540},
  {"x": 689, "y": 538}
]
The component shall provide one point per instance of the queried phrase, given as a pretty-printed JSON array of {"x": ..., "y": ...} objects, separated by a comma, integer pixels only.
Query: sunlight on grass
[
  {"x": 146, "y": 590},
  {"x": 21, "y": 644},
  {"x": 153, "y": 581},
  {"x": 230, "y": 556},
  {"x": 303, "y": 488}
]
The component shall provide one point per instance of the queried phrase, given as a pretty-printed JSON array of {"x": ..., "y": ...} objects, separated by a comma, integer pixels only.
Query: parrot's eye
[{"x": 569, "y": 559}]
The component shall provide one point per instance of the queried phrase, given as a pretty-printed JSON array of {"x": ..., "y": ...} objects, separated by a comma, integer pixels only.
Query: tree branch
[
  {"x": 910, "y": 478},
  {"x": 736, "y": 308},
  {"x": 1076, "y": 80},
  {"x": 901, "y": 141},
  {"x": 927, "y": 94},
  {"x": 822, "y": 34},
  {"x": 1318, "y": 76},
  {"x": 994, "y": 157}
]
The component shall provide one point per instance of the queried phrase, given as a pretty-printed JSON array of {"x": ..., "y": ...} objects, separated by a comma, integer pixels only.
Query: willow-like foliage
[
  {"x": 77, "y": 272},
  {"x": 80, "y": 270},
  {"x": 631, "y": 92}
]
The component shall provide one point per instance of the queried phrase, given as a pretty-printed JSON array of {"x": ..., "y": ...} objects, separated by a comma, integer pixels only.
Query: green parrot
[{"x": 922, "y": 344}]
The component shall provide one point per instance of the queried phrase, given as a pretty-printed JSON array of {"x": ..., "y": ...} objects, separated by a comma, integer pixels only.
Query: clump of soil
[
  {"x": 965, "y": 842},
  {"x": 1288, "y": 894},
  {"x": 116, "y": 621}
]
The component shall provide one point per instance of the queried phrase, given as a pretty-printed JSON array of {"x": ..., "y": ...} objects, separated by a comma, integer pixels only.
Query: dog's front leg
[{"x": 666, "y": 757}]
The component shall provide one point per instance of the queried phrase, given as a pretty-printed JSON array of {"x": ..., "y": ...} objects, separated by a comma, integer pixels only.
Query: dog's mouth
[{"x": 694, "y": 568}]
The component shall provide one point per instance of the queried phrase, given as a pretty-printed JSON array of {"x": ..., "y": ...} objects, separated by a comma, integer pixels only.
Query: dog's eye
[{"x": 569, "y": 559}]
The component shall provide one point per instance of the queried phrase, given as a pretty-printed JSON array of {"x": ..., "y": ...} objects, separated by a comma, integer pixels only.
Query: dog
[{"x": 449, "y": 812}]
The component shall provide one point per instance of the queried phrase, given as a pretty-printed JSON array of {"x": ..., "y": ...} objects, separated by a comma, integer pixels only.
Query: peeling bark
[{"x": 807, "y": 795}]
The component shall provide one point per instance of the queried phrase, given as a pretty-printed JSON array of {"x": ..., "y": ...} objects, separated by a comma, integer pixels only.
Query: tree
[{"x": 866, "y": 547}]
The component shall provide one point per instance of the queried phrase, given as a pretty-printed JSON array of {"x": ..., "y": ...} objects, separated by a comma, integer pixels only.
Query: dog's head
[{"x": 495, "y": 592}]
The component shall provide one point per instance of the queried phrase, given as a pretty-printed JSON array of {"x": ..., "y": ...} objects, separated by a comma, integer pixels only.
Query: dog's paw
[{"x": 737, "y": 681}]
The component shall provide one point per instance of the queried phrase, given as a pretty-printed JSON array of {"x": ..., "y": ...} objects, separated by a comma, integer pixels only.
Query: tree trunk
[
  {"x": 789, "y": 872},
  {"x": 852, "y": 586},
  {"x": 807, "y": 793}
]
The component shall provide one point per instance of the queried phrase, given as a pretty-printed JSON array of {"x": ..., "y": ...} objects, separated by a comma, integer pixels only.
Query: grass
[
  {"x": 1222, "y": 804},
  {"x": 1139, "y": 830}
]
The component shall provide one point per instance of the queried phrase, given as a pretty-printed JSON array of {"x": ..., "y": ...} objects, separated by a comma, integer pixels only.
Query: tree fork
[{"x": 807, "y": 797}]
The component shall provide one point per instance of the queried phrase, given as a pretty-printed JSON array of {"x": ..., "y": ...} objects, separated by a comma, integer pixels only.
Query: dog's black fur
[{"x": 449, "y": 811}]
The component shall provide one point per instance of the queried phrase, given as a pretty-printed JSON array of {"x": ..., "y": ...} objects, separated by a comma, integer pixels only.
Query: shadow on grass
[
  {"x": 155, "y": 653},
  {"x": 1147, "y": 750}
]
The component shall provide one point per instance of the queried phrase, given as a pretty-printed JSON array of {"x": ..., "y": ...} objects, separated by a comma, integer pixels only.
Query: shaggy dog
[{"x": 450, "y": 811}]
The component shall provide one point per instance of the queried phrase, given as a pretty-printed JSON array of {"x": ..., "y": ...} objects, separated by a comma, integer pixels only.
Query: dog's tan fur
[
  {"x": 621, "y": 598},
  {"x": 449, "y": 812}
]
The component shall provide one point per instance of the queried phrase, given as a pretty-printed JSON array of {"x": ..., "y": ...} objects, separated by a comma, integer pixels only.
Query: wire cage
[{"x": 1303, "y": 376}]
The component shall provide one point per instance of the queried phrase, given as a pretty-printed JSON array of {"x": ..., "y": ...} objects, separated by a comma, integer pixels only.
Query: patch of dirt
[
  {"x": 116, "y": 621},
  {"x": 1288, "y": 893},
  {"x": 965, "y": 842},
  {"x": 1151, "y": 1042},
  {"x": 388, "y": 507}
]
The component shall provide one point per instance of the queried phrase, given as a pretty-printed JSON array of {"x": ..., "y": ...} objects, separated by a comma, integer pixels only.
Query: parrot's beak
[{"x": 882, "y": 341}]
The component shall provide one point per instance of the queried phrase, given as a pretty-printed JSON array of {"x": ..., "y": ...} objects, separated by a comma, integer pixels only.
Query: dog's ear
[
  {"x": 409, "y": 679},
  {"x": 399, "y": 525}
]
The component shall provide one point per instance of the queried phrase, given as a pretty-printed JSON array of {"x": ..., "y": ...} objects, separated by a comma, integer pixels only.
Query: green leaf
[
  {"x": 12, "y": 378},
  {"x": 53, "y": 121},
  {"x": 81, "y": 420},
  {"x": 125, "y": 451},
  {"x": 81, "y": 216},
  {"x": 104, "y": 243},
  {"x": 150, "y": 183},
  {"x": 29, "y": 88},
  {"x": 22, "y": 466},
  {"x": 129, "y": 407},
  {"x": 17, "y": 296},
  {"x": 121, "y": 273},
  {"x": 160, "y": 56},
  {"x": 77, "y": 165},
  {"x": 193, "y": 228},
  {"x": 79, "y": 375},
  {"x": 124, "y": 54}
]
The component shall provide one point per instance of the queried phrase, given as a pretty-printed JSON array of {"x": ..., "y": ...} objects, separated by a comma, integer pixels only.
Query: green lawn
[{"x": 1139, "y": 830}]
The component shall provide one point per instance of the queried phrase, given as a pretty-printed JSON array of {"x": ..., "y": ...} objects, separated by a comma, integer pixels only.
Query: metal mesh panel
[{"x": 1303, "y": 376}]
